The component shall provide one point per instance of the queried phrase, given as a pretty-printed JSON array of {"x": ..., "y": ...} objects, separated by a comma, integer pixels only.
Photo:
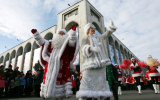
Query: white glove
[
  {"x": 111, "y": 26},
  {"x": 95, "y": 49}
]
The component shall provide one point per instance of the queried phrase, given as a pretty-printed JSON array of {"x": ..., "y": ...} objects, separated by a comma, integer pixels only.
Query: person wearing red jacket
[
  {"x": 119, "y": 79},
  {"x": 149, "y": 85},
  {"x": 127, "y": 81},
  {"x": 142, "y": 81},
  {"x": 132, "y": 82},
  {"x": 153, "y": 73},
  {"x": 73, "y": 85},
  {"x": 2, "y": 85},
  {"x": 136, "y": 73}
]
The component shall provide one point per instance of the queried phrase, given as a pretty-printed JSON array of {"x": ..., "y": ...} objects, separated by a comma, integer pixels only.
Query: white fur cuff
[
  {"x": 85, "y": 51},
  {"x": 39, "y": 40},
  {"x": 109, "y": 63},
  {"x": 45, "y": 51}
]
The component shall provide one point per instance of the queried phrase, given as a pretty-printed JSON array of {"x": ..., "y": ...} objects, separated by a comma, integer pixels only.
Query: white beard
[{"x": 58, "y": 40}]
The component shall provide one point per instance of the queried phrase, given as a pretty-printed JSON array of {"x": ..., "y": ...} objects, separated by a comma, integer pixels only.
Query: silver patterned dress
[{"x": 93, "y": 83}]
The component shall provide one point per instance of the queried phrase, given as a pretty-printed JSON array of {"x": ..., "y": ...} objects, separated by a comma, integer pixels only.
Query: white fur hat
[
  {"x": 116, "y": 64},
  {"x": 86, "y": 27},
  {"x": 59, "y": 30}
]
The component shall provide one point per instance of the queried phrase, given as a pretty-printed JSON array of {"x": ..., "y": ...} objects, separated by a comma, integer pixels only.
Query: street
[{"x": 127, "y": 95}]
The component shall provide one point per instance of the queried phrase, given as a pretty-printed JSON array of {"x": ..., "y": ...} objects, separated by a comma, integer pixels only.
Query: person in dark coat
[
  {"x": 15, "y": 72},
  {"x": 9, "y": 77},
  {"x": 26, "y": 77},
  {"x": 2, "y": 70},
  {"x": 38, "y": 80},
  {"x": 77, "y": 83},
  {"x": 29, "y": 85},
  {"x": 112, "y": 78}
]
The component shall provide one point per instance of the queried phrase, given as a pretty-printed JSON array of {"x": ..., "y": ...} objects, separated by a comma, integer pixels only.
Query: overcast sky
[{"x": 138, "y": 21}]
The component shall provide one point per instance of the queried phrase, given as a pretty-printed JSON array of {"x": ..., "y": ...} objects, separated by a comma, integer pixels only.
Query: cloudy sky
[{"x": 138, "y": 21}]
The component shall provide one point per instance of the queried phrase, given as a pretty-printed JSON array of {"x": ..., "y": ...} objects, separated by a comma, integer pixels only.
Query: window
[
  {"x": 95, "y": 15},
  {"x": 74, "y": 12}
]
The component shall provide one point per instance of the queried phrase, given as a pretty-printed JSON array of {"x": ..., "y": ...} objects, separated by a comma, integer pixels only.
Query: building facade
[{"x": 81, "y": 13}]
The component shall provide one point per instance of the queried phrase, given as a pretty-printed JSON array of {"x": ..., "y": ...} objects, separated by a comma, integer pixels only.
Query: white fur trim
[
  {"x": 153, "y": 74},
  {"x": 69, "y": 92},
  {"x": 45, "y": 51},
  {"x": 136, "y": 75},
  {"x": 93, "y": 94},
  {"x": 85, "y": 51},
  {"x": 72, "y": 43},
  {"x": 136, "y": 65},
  {"x": 41, "y": 92},
  {"x": 119, "y": 79},
  {"x": 87, "y": 26},
  {"x": 109, "y": 63},
  {"x": 39, "y": 40},
  {"x": 72, "y": 67}
]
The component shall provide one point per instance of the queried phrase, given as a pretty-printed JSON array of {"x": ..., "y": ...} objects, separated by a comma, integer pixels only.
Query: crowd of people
[{"x": 14, "y": 83}]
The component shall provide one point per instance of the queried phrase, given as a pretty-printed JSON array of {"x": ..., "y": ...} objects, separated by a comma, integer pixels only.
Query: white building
[{"x": 79, "y": 14}]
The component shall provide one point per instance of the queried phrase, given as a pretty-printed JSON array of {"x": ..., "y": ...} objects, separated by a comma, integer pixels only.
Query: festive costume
[
  {"x": 127, "y": 81},
  {"x": 112, "y": 78},
  {"x": 152, "y": 65},
  {"x": 132, "y": 82},
  {"x": 136, "y": 71},
  {"x": 58, "y": 61},
  {"x": 93, "y": 83}
]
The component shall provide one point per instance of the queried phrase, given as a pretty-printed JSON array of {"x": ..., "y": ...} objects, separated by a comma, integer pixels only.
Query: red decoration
[
  {"x": 142, "y": 64},
  {"x": 127, "y": 62},
  {"x": 156, "y": 60},
  {"x": 123, "y": 66},
  {"x": 74, "y": 28}
]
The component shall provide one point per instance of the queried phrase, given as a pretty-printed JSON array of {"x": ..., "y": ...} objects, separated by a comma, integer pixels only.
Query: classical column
[
  {"x": 31, "y": 58},
  {"x": 3, "y": 60},
  {"x": 115, "y": 53},
  {"x": 22, "y": 64},
  {"x": 120, "y": 55},
  {"x": 15, "y": 62}
]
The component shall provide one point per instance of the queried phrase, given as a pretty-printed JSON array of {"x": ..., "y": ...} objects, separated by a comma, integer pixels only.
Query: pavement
[{"x": 127, "y": 95}]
